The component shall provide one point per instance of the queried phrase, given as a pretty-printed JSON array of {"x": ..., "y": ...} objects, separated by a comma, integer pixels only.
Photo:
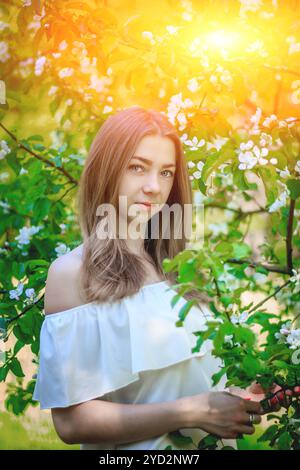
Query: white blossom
[
  {"x": 296, "y": 278},
  {"x": 294, "y": 46},
  {"x": 194, "y": 144},
  {"x": 65, "y": 72},
  {"x": 181, "y": 118},
  {"x": 61, "y": 249},
  {"x": 246, "y": 145},
  {"x": 247, "y": 160},
  {"x": 149, "y": 36},
  {"x": 4, "y": 55},
  {"x": 293, "y": 339},
  {"x": 216, "y": 143},
  {"x": 4, "y": 149},
  {"x": 197, "y": 175},
  {"x": 281, "y": 201},
  {"x": 255, "y": 119},
  {"x": 39, "y": 65},
  {"x": 53, "y": 89},
  {"x": 284, "y": 173},
  {"x": 172, "y": 29},
  {"x": 265, "y": 139},
  {"x": 260, "y": 278},
  {"x": 3, "y": 25},
  {"x": 29, "y": 292},
  {"x": 63, "y": 45},
  {"x": 297, "y": 166},
  {"x": 175, "y": 109},
  {"x": 239, "y": 319},
  {"x": 15, "y": 293},
  {"x": 193, "y": 85},
  {"x": 107, "y": 109},
  {"x": 5, "y": 206},
  {"x": 269, "y": 120},
  {"x": 230, "y": 281},
  {"x": 63, "y": 228},
  {"x": 218, "y": 228},
  {"x": 228, "y": 339},
  {"x": 25, "y": 234}
]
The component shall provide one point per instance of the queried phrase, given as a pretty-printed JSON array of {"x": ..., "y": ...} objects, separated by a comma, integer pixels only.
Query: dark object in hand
[{"x": 283, "y": 397}]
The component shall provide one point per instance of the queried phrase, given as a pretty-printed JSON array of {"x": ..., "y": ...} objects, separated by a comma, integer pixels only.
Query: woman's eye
[
  {"x": 135, "y": 166},
  {"x": 170, "y": 172},
  {"x": 140, "y": 166}
]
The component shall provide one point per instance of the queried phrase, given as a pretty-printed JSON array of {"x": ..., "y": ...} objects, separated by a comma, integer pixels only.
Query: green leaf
[
  {"x": 16, "y": 368},
  {"x": 251, "y": 365},
  {"x": 284, "y": 441},
  {"x": 217, "y": 376},
  {"x": 185, "y": 309},
  {"x": 245, "y": 335},
  {"x": 202, "y": 186},
  {"x": 41, "y": 208},
  {"x": 36, "y": 137},
  {"x": 179, "y": 439},
  {"x": 18, "y": 346},
  {"x": 3, "y": 373},
  {"x": 268, "y": 434},
  {"x": 175, "y": 299},
  {"x": 226, "y": 300},
  {"x": 240, "y": 250},
  {"x": 38, "y": 147},
  {"x": 13, "y": 163},
  {"x": 208, "y": 442},
  {"x": 294, "y": 188}
]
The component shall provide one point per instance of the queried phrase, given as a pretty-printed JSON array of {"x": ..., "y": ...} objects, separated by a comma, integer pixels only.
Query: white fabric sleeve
[{"x": 89, "y": 351}]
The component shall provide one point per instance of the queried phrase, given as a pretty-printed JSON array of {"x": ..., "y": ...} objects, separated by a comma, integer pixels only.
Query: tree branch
[
  {"x": 253, "y": 264},
  {"x": 238, "y": 211},
  {"x": 40, "y": 157},
  {"x": 289, "y": 237},
  {"x": 269, "y": 297},
  {"x": 28, "y": 307}
]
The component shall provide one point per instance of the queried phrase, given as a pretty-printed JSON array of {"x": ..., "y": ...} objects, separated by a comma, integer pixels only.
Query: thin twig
[
  {"x": 28, "y": 307},
  {"x": 238, "y": 211},
  {"x": 253, "y": 264},
  {"x": 289, "y": 237},
  {"x": 40, "y": 157},
  {"x": 269, "y": 297}
]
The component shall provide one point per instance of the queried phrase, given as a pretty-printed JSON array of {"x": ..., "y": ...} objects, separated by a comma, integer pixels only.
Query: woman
[{"x": 114, "y": 369}]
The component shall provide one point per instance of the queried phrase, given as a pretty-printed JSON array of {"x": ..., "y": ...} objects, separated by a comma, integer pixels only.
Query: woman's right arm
[{"x": 100, "y": 421}]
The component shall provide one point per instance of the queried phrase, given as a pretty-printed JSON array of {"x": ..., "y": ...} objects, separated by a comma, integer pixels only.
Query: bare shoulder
[{"x": 62, "y": 284}]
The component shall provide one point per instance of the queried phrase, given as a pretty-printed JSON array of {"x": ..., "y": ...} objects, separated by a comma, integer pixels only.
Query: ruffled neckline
[{"x": 102, "y": 304}]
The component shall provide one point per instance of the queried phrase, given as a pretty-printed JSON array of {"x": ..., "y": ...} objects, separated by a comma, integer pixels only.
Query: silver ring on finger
[{"x": 251, "y": 419}]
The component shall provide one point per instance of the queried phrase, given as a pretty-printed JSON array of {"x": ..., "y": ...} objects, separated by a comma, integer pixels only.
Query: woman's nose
[{"x": 152, "y": 184}]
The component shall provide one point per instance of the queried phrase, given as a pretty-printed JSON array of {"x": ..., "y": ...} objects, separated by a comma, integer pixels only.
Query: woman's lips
[{"x": 143, "y": 204}]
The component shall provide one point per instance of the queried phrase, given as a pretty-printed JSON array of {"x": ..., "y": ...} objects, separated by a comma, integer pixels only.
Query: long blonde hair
[{"x": 109, "y": 270}]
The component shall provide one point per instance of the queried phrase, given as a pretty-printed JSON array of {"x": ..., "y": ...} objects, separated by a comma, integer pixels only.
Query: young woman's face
[{"x": 149, "y": 176}]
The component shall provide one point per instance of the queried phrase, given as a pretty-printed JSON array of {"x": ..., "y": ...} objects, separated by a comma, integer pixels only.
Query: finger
[
  {"x": 243, "y": 429},
  {"x": 245, "y": 418},
  {"x": 255, "y": 420},
  {"x": 253, "y": 406}
]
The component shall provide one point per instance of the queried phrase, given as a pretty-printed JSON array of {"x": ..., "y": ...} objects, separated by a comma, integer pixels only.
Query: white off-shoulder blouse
[{"x": 126, "y": 351}]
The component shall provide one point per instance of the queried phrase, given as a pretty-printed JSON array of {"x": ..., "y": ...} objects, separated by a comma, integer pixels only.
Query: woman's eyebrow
[{"x": 148, "y": 162}]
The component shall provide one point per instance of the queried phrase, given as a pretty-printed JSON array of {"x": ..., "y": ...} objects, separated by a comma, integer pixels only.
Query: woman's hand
[{"x": 223, "y": 414}]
